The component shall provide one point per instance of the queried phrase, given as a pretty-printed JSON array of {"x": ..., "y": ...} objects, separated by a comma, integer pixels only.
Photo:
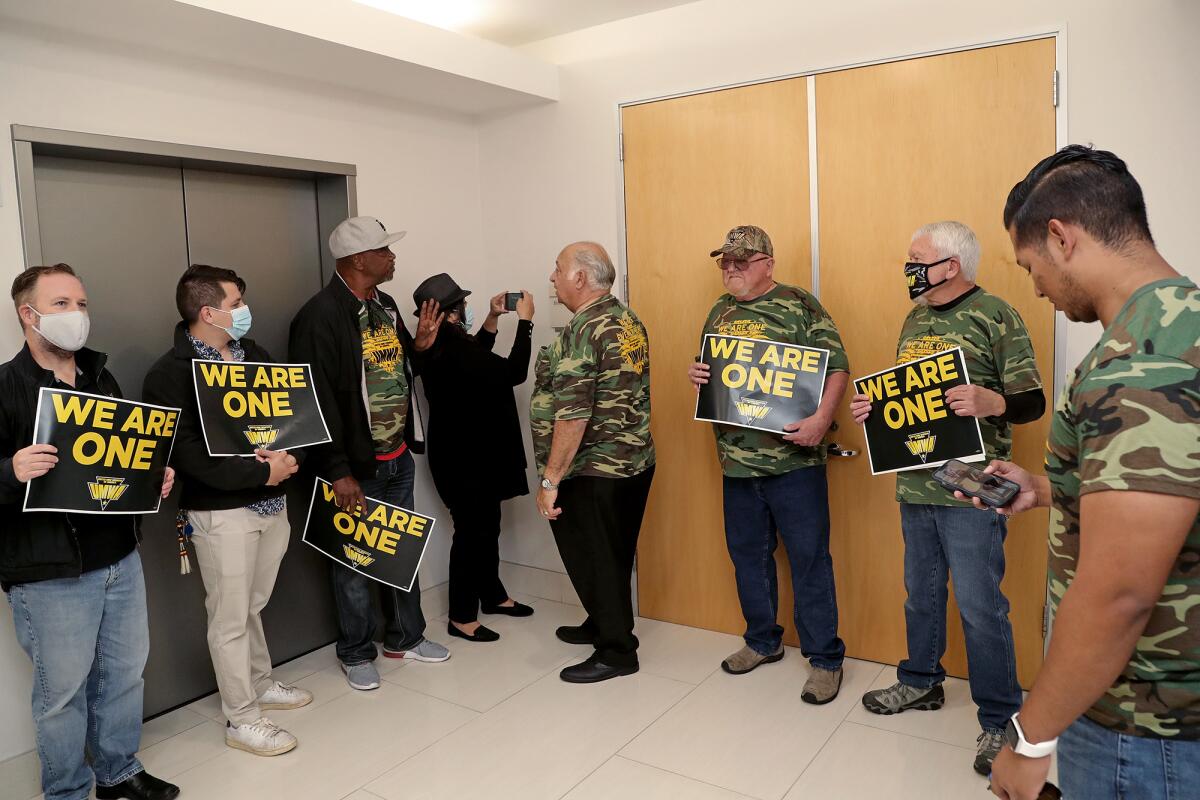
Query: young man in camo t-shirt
[
  {"x": 1119, "y": 693},
  {"x": 944, "y": 535},
  {"x": 777, "y": 482}
]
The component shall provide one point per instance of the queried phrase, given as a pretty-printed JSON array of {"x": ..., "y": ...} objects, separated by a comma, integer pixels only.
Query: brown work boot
[
  {"x": 822, "y": 686},
  {"x": 747, "y": 659}
]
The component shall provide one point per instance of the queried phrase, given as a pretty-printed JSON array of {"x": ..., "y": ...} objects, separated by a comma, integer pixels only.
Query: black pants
[
  {"x": 597, "y": 535},
  {"x": 475, "y": 559}
]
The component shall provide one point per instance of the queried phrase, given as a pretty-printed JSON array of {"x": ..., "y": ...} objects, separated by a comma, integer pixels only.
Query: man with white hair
[
  {"x": 944, "y": 534},
  {"x": 590, "y": 420}
]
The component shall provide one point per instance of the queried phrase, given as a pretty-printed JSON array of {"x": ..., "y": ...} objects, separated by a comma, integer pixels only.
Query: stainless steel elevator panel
[{"x": 130, "y": 230}]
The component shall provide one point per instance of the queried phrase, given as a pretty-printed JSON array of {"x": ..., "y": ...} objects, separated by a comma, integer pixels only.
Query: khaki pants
[{"x": 239, "y": 553}]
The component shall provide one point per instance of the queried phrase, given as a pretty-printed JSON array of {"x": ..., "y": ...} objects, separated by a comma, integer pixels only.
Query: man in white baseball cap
[
  {"x": 360, "y": 234},
  {"x": 364, "y": 362}
]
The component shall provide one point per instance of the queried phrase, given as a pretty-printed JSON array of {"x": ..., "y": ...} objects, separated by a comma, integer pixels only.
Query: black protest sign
[
  {"x": 112, "y": 453},
  {"x": 384, "y": 542},
  {"x": 246, "y": 405},
  {"x": 757, "y": 383},
  {"x": 911, "y": 425}
]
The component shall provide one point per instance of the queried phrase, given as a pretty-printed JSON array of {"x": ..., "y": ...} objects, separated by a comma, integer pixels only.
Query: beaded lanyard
[{"x": 183, "y": 529}]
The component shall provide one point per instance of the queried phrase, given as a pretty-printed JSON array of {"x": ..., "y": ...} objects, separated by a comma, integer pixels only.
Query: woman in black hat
[{"x": 476, "y": 450}]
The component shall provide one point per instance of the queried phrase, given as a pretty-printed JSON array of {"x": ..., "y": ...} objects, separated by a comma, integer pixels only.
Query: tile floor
[{"x": 496, "y": 722}]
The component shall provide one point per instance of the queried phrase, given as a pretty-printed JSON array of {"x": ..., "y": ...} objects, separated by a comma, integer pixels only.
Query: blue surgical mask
[
  {"x": 467, "y": 321},
  {"x": 240, "y": 325}
]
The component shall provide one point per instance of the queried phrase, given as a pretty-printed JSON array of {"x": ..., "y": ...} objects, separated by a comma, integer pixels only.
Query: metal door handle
[{"x": 837, "y": 450}]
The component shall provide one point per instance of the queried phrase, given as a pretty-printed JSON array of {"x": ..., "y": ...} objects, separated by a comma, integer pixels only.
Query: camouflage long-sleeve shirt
[
  {"x": 598, "y": 369},
  {"x": 784, "y": 314},
  {"x": 1129, "y": 420},
  {"x": 999, "y": 356}
]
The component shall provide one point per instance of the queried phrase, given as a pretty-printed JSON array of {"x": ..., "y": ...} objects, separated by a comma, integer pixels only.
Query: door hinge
[
  {"x": 620, "y": 147},
  {"x": 1045, "y": 620},
  {"x": 625, "y": 281},
  {"x": 1054, "y": 92}
]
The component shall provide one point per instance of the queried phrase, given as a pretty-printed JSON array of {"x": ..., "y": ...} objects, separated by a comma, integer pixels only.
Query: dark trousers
[
  {"x": 404, "y": 623},
  {"x": 475, "y": 559},
  {"x": 795, "y": 506},
  {"x": 597, "y": 535}
]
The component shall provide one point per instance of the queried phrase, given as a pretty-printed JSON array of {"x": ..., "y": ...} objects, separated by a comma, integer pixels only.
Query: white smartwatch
[{"x": 1022, "y": 746}]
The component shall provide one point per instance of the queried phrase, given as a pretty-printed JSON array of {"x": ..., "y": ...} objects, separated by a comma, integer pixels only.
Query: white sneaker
[
  {"x": 280, "y": 697},
  {"x": 261, "y": 737}
]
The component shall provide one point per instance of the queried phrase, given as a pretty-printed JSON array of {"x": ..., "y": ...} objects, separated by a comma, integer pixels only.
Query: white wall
[
  {"x": 416, "y": 171},
  {"x": 551, "y": 175}
]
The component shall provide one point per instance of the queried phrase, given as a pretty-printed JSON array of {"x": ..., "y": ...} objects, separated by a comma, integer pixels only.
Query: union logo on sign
[
  {"x": 261, "y": 435},
  {"x": 921, "y": 444},
  {"x": 106, "y": 490}
]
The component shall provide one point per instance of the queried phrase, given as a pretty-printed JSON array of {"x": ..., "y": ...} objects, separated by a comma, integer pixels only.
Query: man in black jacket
[
  {"x": 236, "y": 507},
  {"x": 362, "y": 359},
  {"x": 74, "y": 580}
]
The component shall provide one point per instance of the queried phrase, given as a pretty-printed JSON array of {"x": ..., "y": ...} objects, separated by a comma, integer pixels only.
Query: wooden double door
[{"x": 897, "y": 145}]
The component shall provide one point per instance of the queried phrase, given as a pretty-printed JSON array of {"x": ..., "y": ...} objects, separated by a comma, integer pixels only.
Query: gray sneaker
[
  {"x": 747, "y": 659},
  {"x": 822, "y": 686},
  {"x": 902, "y": 697},
  {"x": 987, "y": 747},
  {"x": 425, "y": 650},
  {"x": 363, "y": 677}
]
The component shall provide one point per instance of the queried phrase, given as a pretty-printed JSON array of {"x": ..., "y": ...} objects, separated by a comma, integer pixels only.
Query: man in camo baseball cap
[{"x": 743, "y": 242}]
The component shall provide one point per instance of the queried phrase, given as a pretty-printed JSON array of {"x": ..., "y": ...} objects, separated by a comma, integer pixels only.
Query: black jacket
[
  {"x": 42, "y": 545},
  {"x": 325, "y": 333},
  {"x": 476, "y": 449},
  {"x": 209, "y": 483}
]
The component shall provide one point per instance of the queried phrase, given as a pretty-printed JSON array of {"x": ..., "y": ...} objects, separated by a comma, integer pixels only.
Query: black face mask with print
[{"x": 918, "y": 277}]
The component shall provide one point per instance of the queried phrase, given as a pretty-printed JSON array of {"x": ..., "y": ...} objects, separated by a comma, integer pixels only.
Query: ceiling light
[{"x": 451, "y": 15}]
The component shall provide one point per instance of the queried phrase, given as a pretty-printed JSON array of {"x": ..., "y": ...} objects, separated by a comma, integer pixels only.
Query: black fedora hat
[{"x": 440, "y": 287}]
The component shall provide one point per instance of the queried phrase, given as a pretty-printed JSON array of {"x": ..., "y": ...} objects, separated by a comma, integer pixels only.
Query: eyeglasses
[{"x": 737, "y": 264}]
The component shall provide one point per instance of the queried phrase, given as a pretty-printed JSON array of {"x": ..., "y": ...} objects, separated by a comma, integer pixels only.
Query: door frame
[
  {"x": 1057, "y": 32},
  {"x": 336, "y": 183}
]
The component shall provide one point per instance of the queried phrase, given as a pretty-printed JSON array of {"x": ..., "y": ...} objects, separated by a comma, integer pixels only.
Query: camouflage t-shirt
[
  {"x": 784, "y": 314},
  {"x": 383, "y": 369},
  {"x": 598, "y": 369},
  {"x": 1129, "y": 420},
  {"x": 999, "y": 357}
]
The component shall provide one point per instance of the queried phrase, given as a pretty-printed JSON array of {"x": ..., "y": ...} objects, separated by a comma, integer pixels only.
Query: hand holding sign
[
  {"x": 972, "y": 400},
  {"x": 168, "y": 482},
  {"x": 698, "y": 373},
  {"x": 283, "y": 465},
  {"x": 860, "y": 408},
  {"x": 348, "y": 494},
  {"x": 34, "y": 461},
  {"x": 807, "y": 432}
]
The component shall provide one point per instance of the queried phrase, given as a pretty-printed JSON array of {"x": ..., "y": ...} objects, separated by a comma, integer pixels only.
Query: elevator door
[{"x": 130, "y": 231}]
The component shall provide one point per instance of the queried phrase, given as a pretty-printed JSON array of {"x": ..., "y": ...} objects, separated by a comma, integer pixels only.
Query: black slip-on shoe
[
  {"x": 481, "y": 634},
  {"x": 515, "y": 610},
  {"x": 575, "y": 634}
]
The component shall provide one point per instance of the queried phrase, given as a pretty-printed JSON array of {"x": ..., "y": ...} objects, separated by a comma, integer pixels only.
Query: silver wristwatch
[{"x": 548, "y": 486}]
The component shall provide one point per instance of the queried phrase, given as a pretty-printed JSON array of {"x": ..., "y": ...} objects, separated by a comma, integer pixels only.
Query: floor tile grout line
[
  {"x": 969, "y": 749},
  {"x": 404, "y": 761},
  {"x": 870, "y": 683},
  {"x": 636, "y": 734},
  {"x": 814, "y": 758},
  {"x": 730, "y": 789}
]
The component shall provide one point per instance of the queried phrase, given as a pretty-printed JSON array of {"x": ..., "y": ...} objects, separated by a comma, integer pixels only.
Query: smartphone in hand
[
  {"x": 992, "y": 490},
  {"x": 511, "y": 299}
]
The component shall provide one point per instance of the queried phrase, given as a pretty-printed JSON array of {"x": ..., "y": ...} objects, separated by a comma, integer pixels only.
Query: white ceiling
[{"x": 517, "y": 22}]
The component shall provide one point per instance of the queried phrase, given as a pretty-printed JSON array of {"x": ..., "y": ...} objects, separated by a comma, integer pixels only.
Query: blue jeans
[
  {"x": 404, "y": 623},
  {"x": 969, "y": 543},
  {"x": 1095, "y": 763},
  {"x": 88, "y": 640},
  {"x": 796, "y": 504}
]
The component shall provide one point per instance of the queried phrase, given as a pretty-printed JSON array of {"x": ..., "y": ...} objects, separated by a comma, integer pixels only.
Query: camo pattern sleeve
[
  {"x": 541, "y": 405},
  {"x": 1130, "y": 421},
  {"x": 999, "y": 356},
  {"x": 602, "y": 375},
  {"x": 784, "y": 314}
]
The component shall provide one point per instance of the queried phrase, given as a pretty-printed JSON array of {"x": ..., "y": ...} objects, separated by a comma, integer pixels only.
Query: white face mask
[{"x": 68, "y": 330}]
